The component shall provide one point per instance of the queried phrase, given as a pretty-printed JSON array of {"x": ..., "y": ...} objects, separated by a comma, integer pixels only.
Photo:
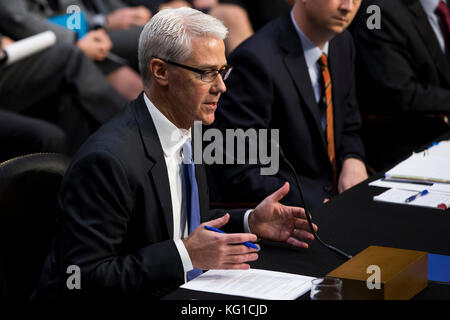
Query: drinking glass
[{"x": 326, "y": 288}]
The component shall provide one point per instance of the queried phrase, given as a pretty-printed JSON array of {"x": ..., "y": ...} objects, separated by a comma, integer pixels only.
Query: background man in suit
[
  {"x": 403, "y": 75},
  {"x": 62, "y": 87},
  {"x": 278, "y": 83},
  {"x": 28, "y": 17},
  {"x": 125, "y": 207}
]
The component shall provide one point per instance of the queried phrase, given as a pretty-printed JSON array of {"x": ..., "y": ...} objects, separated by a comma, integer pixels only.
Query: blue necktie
[{"x": 191, "y": 196}]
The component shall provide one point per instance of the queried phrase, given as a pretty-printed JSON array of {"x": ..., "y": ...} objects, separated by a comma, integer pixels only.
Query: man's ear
[{"x": 159, "y": 70}]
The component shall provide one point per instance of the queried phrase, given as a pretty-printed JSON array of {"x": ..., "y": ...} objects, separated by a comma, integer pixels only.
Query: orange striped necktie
[{"x": 327, "y": 92}]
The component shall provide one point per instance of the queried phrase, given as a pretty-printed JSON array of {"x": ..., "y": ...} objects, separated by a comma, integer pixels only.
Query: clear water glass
[{"x": 326, "y": 288}]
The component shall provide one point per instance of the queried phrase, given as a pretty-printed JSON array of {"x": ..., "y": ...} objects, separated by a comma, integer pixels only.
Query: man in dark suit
[
  {"x": 403, "y": 75},
  {"x": 126, "y": 206},
  {"x": 278, "y": 83}
]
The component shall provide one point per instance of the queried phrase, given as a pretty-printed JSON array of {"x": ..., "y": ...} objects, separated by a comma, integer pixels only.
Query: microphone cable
[{"x": 337, "y": 251}]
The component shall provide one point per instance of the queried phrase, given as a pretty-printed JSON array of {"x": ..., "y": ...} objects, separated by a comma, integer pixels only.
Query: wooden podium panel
[{"x": 402, "y": 274}]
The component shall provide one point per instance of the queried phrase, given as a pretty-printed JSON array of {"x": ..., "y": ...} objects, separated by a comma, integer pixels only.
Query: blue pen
[
  {"x": 415, "y": 196},
  {"x": 247, "y": 243}
]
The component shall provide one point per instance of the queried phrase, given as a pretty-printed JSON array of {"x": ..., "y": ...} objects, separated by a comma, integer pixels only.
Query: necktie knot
[{"x": 186, "y": 151}]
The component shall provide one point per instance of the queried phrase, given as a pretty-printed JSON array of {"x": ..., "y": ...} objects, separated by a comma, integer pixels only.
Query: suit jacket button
[{"x": 328, "y": 188}]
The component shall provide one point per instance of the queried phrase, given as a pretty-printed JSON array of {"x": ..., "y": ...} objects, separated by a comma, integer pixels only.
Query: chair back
[{"x": 28, "y": 195}]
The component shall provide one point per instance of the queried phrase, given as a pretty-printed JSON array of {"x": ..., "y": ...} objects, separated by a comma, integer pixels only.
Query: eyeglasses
[{"x": 205, "y": 75}]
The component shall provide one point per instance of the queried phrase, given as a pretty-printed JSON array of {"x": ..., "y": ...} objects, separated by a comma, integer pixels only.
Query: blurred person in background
[
  {"x": 29, "y": 17},
  {"x": 60, "y": 85}
]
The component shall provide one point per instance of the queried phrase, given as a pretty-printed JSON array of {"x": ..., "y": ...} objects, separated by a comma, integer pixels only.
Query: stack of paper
[
  {"x": 421, "y": 180},
  {"x": 431, "y": 165},
  {"x": 253, "y": 283}
]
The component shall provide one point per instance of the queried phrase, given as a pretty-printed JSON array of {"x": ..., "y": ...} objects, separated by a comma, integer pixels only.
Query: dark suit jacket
[
  {"x": 404, "y": 76},
  {"x": 115, "y": 214},
  {"x": 270, "y": 88}
]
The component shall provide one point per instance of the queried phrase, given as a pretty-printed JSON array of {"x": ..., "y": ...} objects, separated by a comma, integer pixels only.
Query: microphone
[{"x": 337, "y": 251}]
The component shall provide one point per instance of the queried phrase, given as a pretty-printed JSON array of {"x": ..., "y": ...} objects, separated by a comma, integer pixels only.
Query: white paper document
[
  {"x": 252, "y": 283},
  {"x": 440, "y": 187},
  {"x": 422, "y": 167},
  {"x": 432, "y": 199},
  {"x": 399, "y": 185},
  {"x": 439, "y": 149}
]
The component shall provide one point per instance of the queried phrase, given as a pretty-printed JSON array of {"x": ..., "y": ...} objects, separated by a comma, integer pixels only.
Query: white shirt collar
[
  {"x": 430, "y": 6},
  {"x": 171, "y": 137},
  {"x": 311, "y": 51}
]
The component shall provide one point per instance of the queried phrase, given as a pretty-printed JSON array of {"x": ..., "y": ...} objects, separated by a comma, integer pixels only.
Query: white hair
[{"x": 168, "y": 35}]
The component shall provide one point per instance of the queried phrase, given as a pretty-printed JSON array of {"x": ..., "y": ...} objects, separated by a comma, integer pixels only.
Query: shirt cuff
[
  {"x": 353, "y": 155},
  {"x": 246, "y": 226},
  {"x": 184, "y": 255},
  {"x": 99, "y": 20}
]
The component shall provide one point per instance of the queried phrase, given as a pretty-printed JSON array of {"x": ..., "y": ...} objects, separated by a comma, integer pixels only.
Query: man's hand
[
  {"x": 273, "y": 221},
  {"x": 5, "y": 42},
  {"x": 353, "y": 172},
  {"x": 96, "y": 44},
  {"x": 128, "y": 17},
  {"x": 211, "y": 250}
]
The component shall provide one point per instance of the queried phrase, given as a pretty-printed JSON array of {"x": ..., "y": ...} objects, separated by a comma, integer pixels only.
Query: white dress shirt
[
  {"x": 312, "y": 54},
  {"x": 430, "y": 7},
  {"x": 172, "y": 139}
]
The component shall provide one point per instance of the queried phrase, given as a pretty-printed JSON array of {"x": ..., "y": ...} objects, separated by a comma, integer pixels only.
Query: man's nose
[
  {"x": 219, "y": 85},
  {"x": 346, "y": 5}
]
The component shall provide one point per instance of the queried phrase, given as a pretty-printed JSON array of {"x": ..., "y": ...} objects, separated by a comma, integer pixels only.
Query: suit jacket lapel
[
  {"x": 423, "y": 27},
  {"x": 158, "y": 169},
  {"x": 297, "y": 68}
]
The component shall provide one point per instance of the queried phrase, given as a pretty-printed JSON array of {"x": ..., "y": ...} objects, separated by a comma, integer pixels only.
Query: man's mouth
[
  {"x": 341, "y": 19},
  {"x": 212, "y": 104}
]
